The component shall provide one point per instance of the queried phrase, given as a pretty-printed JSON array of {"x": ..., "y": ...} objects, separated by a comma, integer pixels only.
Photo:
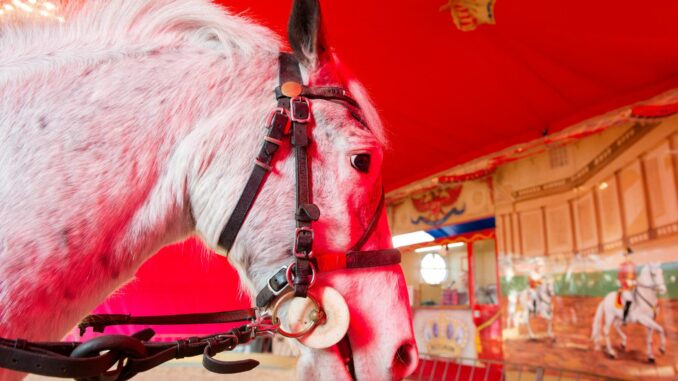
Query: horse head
[
  {"x": 654, "y": 272},
  {"x": 146, "y": 119},
  {"x": 346, "y": 153}
]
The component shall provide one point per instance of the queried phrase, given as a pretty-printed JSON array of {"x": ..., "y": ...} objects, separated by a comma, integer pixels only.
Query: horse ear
[{"x": 305, "y": 34}]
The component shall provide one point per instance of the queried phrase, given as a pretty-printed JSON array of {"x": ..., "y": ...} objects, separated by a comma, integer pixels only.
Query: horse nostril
[{"x": 405, "y": 360}]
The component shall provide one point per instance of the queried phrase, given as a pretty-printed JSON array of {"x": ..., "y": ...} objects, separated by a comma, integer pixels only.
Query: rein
[
  {"x": 654, "y": 287},
  {"x": 134, "y": 354},
  {"x": 636, "y": 293}
]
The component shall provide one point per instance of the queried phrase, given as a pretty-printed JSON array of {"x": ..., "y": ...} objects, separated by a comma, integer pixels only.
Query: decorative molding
[
  {"x": 667, "y": 229},
  {"x": 638, "y": 238},
  {"x": 611, "y": 152},
  {"x": 617, "y": 244}
]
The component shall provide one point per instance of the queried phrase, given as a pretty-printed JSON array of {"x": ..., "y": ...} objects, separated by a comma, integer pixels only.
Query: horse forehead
[{"x": 335, "y": 126}]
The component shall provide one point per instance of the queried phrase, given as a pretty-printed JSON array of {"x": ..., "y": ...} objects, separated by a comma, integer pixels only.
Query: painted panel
[
  {"x": 609, "y": 211},
  {"x": 579, "y": 288},
  {"x": 532, "y": 228},
  {"x": 559, "y": 229},
  {"x": 661, "y": 185},
  {"x": 442, "y": 206},
  {"x": 631, "y": 184},
  {"x": 449, "y": 333},
  {"x": 585, "y": 222}
]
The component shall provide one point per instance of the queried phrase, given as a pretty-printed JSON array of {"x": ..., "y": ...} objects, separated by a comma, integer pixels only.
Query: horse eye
[{"x": 361, "y": 162}]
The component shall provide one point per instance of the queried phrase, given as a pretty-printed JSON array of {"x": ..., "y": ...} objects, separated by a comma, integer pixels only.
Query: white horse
[
  {"x": 533, "y": 303},
  {"x": 134, "y": 124},
  {"x": 643, "y": 310}
]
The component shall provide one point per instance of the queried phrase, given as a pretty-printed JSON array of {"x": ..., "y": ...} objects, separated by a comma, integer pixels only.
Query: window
[{"x": 433, "y": 268}]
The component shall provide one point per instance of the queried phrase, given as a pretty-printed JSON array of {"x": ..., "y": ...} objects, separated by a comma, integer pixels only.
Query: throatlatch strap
[{"x": 276, "y": 131}]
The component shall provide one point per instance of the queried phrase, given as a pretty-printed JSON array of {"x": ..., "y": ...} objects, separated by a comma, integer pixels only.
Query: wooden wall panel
[
  {"x": 515, "y": 225},
  {"x": 631, "y": 186},
  {"x": 585, "y": 222},
  {"x": 559, "y": 228},
  {"x": 661, "y": 185},
  {"x": 532, "y": 233},
  {"x": 609, "y": 213}
]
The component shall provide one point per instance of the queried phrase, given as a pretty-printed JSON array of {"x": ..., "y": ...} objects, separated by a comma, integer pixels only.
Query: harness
[
  {"x": 290, "y": 120},
  {"x": 637, "y": 294}
]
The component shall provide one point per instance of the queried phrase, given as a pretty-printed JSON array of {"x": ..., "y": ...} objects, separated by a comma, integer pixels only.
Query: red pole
[
  {"x": 471, "y": 281},
  {"x": 496, "y": 269}
]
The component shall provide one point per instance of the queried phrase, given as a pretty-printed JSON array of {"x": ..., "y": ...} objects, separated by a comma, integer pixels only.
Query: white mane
[{"x": 105, "y": 30}]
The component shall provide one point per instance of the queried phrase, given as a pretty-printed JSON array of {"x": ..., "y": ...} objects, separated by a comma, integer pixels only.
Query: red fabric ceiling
[{"x": 449, "y": 96}]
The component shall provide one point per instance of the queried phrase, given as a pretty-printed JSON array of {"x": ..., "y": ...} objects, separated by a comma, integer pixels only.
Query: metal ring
[
  {"x": 294, "y": 335},
  {"x": 290, "y": 277}
]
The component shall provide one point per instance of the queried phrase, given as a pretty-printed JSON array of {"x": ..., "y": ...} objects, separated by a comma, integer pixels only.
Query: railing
[{"x": 433, "y": 368}]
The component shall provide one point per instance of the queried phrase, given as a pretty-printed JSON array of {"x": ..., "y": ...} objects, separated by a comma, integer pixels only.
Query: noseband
[{"x": 291, "y": 120}]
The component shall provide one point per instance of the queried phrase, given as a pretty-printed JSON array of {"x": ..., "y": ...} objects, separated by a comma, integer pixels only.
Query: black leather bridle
[
  {"x": 291, "y": 119},
  {"x": 96, "y": 359}
]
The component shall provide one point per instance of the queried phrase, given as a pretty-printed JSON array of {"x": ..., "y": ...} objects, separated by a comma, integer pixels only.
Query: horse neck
[
  {"x": 117, "y": 146},
  {"x": 646, "y": 287}
]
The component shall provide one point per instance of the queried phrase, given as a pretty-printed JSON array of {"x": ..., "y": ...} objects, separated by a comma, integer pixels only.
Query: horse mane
[
  {"x": 99, "y": 31},
  {"x": 105, "y": 30}
]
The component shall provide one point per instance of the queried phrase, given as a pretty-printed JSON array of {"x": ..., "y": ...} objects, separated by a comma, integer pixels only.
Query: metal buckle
[
  {"x": 295, "y": 250},
  {"x": 277, "y": 110},
  {"x": 268, "y": 283},
  {"x": 293, "y": 109}
]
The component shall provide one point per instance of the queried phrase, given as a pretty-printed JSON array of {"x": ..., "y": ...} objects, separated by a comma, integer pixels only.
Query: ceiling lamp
[{"x": 15, "y": 9}]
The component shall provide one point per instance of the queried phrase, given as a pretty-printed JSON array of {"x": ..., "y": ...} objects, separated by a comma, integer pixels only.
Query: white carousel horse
[
  {"x": 532, "y": 303},
  {"x": 135, "y": 124},
  {"x": 649, "y": 286}
]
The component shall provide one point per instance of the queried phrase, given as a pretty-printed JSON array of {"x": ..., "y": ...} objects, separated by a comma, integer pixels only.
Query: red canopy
[{"x": 449, "y": 96}]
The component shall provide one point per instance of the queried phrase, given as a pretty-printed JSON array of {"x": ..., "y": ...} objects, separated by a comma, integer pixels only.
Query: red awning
[{"x": 449, "y": 96}]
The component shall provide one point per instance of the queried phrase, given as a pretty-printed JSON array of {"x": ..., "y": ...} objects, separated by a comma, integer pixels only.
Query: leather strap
[
  {"x": 274, "y": 286},
  {"x": 322, "y": 92},
  {"x": 51, "y": 359},
  {"x": 358, "y": 259},
  {"x": 306, "y": 212},
  {"x": 100, "y": 322},
  {"x": 132, "y": 354},
  {"x": 372, "y": 225},
  {"x": 262, "y": 165}
]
